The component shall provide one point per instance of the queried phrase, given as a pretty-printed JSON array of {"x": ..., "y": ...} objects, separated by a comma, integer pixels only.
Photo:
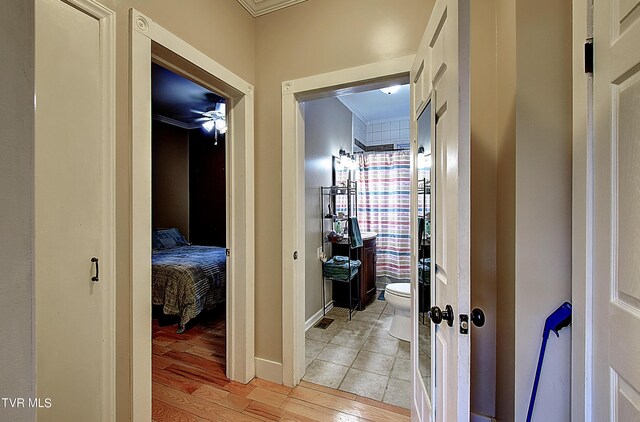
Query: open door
[
  {"x": 616, "y": 221},
  {"x": 440, "y": 77}
]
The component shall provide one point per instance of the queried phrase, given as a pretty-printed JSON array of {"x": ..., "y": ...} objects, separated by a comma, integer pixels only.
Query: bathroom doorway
[{"x": 347, "y": 321}]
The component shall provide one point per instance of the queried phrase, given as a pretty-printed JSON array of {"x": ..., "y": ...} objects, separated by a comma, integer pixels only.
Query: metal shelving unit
[
  {"x": 424, "y": 191},
  {"x": 329, "y": 213}
]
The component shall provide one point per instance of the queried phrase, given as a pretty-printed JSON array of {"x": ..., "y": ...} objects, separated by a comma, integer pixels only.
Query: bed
[{"x": 186, "y": 278}]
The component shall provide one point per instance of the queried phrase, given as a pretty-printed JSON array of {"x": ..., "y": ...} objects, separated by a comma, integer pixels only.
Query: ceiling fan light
[
  {"x": 221, "y": 109},
  {"x": 221, "y": 125},
  {"x": 209, "y": 125}
]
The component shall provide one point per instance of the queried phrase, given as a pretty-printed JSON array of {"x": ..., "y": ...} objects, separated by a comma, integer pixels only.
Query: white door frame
[
  {"x": 582, "y": 220},
  {"x": 294, "y": 92},
  {"x": 151, "y": 42}
]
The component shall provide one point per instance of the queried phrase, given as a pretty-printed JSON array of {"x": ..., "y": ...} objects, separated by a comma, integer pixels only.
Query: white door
[
  {"x": 73, "y": 215},
  {"x": 440, "y": 74},
  {"x": 616, "y": 255}
]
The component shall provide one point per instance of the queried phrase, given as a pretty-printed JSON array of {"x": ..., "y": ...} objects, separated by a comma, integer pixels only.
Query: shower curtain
[{"x": 384, "y": 207}]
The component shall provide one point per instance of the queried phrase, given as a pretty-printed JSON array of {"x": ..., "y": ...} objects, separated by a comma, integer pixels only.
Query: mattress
[{"x": 188, "y": 279}]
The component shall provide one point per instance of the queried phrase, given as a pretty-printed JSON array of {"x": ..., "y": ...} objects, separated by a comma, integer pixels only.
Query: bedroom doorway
[
  {"x": 189, "y": 237},
  {"x": 231, "y": 98}
]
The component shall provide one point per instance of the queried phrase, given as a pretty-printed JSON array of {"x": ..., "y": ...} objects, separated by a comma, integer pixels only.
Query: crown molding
[
  {"x": 262, "y": 7},
  {"x": 349, "y": 104},
  {"x": 174, "y": 122}
]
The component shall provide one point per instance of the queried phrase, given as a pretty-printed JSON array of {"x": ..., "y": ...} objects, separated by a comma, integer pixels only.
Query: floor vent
[{"x": 324, "y": 323}]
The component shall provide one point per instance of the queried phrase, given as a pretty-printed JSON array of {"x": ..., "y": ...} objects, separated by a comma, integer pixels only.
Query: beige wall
[
  {"x": 543, "y": 201},
  {"x": 534, "y": 203},
  {"x": 310, "y": 38},
  {"x": 16, "y": 207},
  {"x": 505, "y": 235},
  {"x": 483, "y": 203},
  {"x": 328, "y": 128},
  {"x": 198, "y": 24},
  {"x": 170, "y": 177},
  {"x": 313, "y": 37}
]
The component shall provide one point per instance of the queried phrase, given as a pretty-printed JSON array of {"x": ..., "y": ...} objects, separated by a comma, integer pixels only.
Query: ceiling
[
  {"x": 173, "y": 98},
  {"x": 262, "y": 7},
  {"x": 374, "y": 105}
]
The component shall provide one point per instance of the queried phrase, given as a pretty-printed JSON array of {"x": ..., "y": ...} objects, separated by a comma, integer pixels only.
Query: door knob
[
  {"x": 437, "y": 315},
  {"x": 477, "y": 317}
]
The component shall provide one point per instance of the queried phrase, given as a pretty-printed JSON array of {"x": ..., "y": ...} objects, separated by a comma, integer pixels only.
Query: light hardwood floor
[{"x": 189, "y": 384}]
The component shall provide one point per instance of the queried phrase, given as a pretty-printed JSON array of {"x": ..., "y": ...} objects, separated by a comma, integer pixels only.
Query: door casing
[
  {"x": 294, "y": 92},
  {"x": 151, "y": 42},
  {"x": 582, "y": 220}
]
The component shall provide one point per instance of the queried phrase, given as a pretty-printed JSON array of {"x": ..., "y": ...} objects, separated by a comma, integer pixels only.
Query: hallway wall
[
  {"x": 202, "y": 21},
  {"x": 534, "y": 200},
  {"x": 17, "y": 359},
  {"x": 313, "y": 37},
  {"x": 483, "y": 204}
]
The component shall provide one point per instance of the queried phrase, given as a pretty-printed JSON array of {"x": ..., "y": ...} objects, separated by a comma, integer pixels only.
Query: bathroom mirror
[{"x": 425, "y": 202}]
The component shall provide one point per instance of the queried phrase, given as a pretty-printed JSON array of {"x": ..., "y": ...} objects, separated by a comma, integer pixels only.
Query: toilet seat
[{"x": 399, "y": 289}]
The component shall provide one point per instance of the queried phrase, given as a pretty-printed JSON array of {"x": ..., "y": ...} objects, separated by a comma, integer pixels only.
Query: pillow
[{"x": 167, "y": 239}]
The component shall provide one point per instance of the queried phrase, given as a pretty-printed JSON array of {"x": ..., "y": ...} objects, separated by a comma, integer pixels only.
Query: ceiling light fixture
[
  {"x": 209, "y": 125},
  {"x": 216, "y": 118},
  {"x": 390, "y": 89}
]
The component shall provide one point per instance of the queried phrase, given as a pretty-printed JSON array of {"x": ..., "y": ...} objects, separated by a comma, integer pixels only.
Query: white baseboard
[
  {"x": 269, "y": 370},
  {"x": 480, "y": 418},
  {"x": 317, "y": 317}
]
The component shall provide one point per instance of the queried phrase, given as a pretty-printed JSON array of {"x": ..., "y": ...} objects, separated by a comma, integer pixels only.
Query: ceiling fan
[{"x": 214, "y": 117}]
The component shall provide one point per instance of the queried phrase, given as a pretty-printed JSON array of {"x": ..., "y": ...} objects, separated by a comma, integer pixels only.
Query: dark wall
[
  {"x": 189, "y": 183},
  {"x": 170, "y": 177},
  {"x": 207, "y": 189}
]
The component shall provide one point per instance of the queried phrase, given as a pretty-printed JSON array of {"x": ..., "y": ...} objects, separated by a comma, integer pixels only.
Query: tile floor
[{"x": 360, "y": 357}]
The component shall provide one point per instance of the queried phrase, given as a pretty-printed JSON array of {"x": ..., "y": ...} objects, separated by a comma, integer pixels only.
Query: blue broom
[{"x": 555, "y": 322}]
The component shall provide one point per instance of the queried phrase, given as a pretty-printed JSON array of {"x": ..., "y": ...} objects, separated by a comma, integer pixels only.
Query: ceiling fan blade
[
  {"x": 201, "y": 119},
  {"x": 198, "y": 111}
]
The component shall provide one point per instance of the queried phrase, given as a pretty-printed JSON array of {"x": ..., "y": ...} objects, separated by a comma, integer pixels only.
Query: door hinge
[
  {"x": 588, "y": 56},
  {"x": 228, "y": 252}
]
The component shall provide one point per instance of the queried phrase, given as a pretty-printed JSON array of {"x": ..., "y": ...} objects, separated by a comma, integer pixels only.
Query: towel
[
  {"x": 424, "y": 270},
  {"x": 354, "y": 233},
  {"x": 337, "y": 268}
]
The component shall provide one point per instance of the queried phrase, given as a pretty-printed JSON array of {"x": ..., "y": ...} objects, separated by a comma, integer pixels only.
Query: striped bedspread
[{"x": 188, "y": 279}]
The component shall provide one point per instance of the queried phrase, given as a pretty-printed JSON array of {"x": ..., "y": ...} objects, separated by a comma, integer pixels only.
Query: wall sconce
[
  {"x": 347, "y": 160},
  {"x": 424, "y": 160}
]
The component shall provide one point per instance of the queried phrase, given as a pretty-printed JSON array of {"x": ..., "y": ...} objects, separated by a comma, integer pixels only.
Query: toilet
[{"x": 398, "y": 296}]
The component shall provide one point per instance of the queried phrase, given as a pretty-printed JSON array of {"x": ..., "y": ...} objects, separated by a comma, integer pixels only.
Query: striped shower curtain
[{"x": 384, "y": 207}]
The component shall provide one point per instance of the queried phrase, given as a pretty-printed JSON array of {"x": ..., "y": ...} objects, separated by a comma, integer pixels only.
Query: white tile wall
[
  {"x": 381, "y": 132},
  {"x": 388, "y": 132},
  {"x": 359, "y": 129}
]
